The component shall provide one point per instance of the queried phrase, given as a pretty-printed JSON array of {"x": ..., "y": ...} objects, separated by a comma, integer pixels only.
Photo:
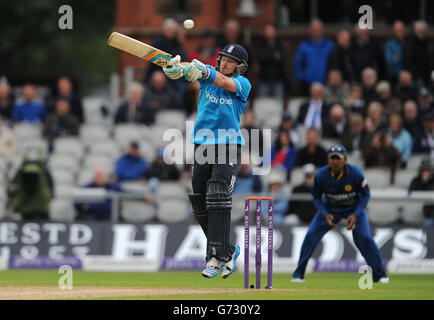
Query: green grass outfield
[{"x": 317, "y": 286}]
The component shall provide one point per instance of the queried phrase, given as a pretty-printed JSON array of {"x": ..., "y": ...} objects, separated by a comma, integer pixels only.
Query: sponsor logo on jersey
[
  {"x": 348, "y": 188},
  {"x": 214, "y": 99}
]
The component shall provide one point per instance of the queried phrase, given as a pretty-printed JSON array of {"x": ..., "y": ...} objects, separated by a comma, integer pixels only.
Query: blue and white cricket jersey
[
  {"x": 220, "y": 109},
  {"x": 349, "y": 193}
]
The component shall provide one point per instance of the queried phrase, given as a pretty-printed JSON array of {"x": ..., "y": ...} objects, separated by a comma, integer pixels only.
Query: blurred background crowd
[{"x": 345, "y": 85}]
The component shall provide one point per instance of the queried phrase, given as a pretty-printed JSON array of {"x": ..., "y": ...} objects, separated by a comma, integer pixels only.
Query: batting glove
[
  {"x": 194, "y": 71},
  {"x": 174, "y": 69}
]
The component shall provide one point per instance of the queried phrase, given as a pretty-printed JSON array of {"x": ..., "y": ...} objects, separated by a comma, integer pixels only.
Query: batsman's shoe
[
  {"x": 213, "y": 268},
  {"x": 383, "y": 280},
  {"x": 298, "y": 280},
  {"x": 230, "y": 266}
]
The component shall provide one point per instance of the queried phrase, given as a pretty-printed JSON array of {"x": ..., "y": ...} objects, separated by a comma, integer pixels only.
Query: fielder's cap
[
  {"x": 235, "y": 51},
  {"x": 338, "y": 150},
  {"x": 309, "y": 169}
]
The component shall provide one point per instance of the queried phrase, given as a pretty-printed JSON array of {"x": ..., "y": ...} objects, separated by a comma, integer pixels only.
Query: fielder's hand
[
  {"x": 329, "y": 218},
  {"x": 351, "y": 221},
  {"x": 194, "y": 71},
  {"x": 175, "y": 69}
]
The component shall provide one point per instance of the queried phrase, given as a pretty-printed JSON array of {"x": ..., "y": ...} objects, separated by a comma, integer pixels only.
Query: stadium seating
[
  {"x": 171, "y": 190},
  {"x": 61, "y": 210},
  {"x": 124, "y": 134},
  {"x": 171, "y": 118},
  {"x": 377, "y": 177},
  {"x": 85, "y": 176},
  {"x": 173, "y": 210},
  {"x": 92, "y": 109},
  {"x": 294, "y": 105},
  {"x": 412, "y": 213},
  {"x": 403, "y": 178},
  {"x": 268, "y": 112},
  {"x": 24, "y": 131},
  {"x": 297, "y": 176},
  {"x": 69, "y": 146},
  {"x": 63, "y": 177},
  {"x": 92, "y": 161},
  {"x": 92, "y": 133},
  {"x": 137, "y": 211},
  {"x": 63, "y": 162},
  {"x": 107, "y": 147},
  {"x": 383, "y": 213}
]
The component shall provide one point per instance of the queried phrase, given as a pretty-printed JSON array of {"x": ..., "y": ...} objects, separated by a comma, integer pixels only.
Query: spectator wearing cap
[
  {"x": 275, "y": 190},
  {"x": 30, "y": 110},
  {"x": 131, "y": 166},
  {"x": 305, "y": 210},
  {"x": 424, "y": 181},
  {"x": 6, "y": 101},
  {"x": 160, "y": 170},
  {"x": 315, "y": 112},
  {"x": 358, "y": 138},
  {"x": 425, "y": 100},
  {"x": 287, "y": 124},
  {"x": 390, "y": 104},
  {"x": 405, "y": 89},
  {"x": 337, "y": 125},
  {"x": 355, "y": 102},
  {"x": 335, "y": 91},
  {"x": 283, "y": 153},
  {"x": 311, "y": 58},
  {"x": 424, "y": 139},
  {"x": 271, "y": 59},
  {"x": 393, "y": 51},
  {"x": 411, "y": 120},
  {"x": 312, "y": 152},
  {"x": 401, "y": 139}
]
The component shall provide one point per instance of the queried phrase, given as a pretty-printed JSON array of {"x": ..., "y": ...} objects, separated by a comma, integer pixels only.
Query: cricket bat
[{"x": 139, "y": 49}]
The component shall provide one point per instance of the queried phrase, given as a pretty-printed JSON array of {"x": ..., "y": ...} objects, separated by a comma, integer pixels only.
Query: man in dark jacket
[
  {"x": 312, "y": 152},
  {"x": 367, "y": 53},
  {"x": 61, "y": 123},
  {"x": 417, "y": 56},
  {"x": 424, "y": 181},
  {"x": 271, "y": 60},
  {"x": 65, "y": 91},
  {"x": 340, "y": 58}
]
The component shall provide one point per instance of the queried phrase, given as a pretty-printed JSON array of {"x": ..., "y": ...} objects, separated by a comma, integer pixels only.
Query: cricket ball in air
[{"x": 189, "y": 24}]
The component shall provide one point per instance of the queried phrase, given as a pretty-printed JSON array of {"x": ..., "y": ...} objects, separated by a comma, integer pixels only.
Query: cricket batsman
[
  {"x": 222, "y": 98},
  {"x": 340, "y": 191}
]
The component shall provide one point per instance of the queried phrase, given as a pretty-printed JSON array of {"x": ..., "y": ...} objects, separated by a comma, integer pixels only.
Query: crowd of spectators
[{"x": 377, "y": 100}]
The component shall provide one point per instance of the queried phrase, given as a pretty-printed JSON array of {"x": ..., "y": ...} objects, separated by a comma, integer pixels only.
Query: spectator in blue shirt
[
  {"x": 30, "y": 110},
  {"x": 401, "y": 139},
  {"x": 97, "y": 210},
  {"x": 131, "y": 166},
  {"x": 311, "y": 59},
  {"x": 393, "y": 51}
]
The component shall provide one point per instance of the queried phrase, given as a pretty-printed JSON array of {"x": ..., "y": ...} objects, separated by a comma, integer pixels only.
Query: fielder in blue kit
[
  {"x": 340, "y": 191},
  {"x": 222, "y": 98}
]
